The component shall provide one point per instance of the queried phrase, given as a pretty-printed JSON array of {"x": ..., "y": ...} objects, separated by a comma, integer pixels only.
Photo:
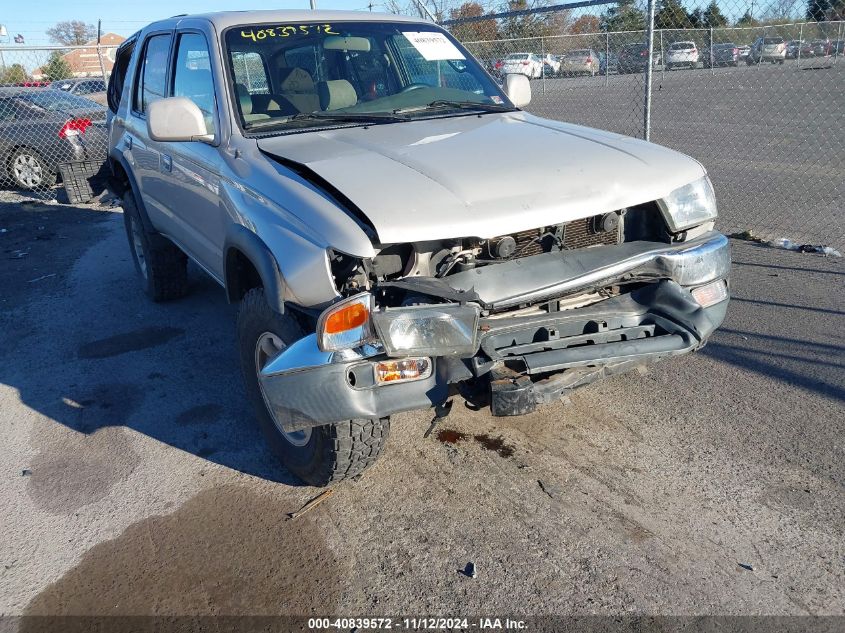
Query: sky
[{"x": 33, "y": 17}]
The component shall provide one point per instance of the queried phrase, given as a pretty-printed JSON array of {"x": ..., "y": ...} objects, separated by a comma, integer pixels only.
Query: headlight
[
  {"x": 689, "y": 206},
  {"x": 346, "y": 324},
  {"x": 436, "y": 330}
]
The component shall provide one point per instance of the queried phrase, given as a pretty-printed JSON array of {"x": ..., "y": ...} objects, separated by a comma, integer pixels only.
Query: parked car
[
  {"x": 807, "y": 49},
  {"x": 822, "y": 48},
  {"x": 527, "y": 64},
  {"x": 839, "y": 47},
  {"x": 682, "y": 54},
  {"x": 551, "y": 65},
  {"x": 793, "y": 47},
  {"x": 584, "y": 61},
  {"x": 632, "y": 58},
  {"x": 383, "y": 253},
  {"x": 40, "y": 129},
  {"x": 725, "y": 54},
  {"x": 90, "y": 88},
  {"x": 743, "y": 51},
  {"x": 608, "y": 64},
  {"x": 767, "y": 49}
]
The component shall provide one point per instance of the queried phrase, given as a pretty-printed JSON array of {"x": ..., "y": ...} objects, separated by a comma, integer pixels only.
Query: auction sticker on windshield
[{"x": 433, "y": 46}]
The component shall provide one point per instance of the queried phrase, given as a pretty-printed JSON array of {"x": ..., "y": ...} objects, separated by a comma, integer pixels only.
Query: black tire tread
[
  {"x": 342, "y": 450},
  {"x": 167, "y": 265}
]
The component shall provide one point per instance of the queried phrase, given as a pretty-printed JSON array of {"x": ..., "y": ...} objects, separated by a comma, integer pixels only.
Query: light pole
[{"x": 3, "y": 34}]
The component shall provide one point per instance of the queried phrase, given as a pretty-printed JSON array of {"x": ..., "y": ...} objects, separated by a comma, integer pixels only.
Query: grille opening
[{"x": 573, "y": 235}]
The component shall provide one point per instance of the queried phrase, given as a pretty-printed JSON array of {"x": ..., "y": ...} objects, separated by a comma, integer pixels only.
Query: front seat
[
  {"x": 296, "y": 93},
  {"x": 336, "y": 94},
  {"x": 246, "y": 105}
]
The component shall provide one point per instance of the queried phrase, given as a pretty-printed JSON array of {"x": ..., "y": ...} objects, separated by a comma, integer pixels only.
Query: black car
[
  {"x": 726, "y": 54},
  {"x": 41, "y": 129},
  {"x": 633, "y": 58}
]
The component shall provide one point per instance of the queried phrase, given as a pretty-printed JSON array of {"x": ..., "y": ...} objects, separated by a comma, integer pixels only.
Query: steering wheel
[{"x": 415, "y": 86}]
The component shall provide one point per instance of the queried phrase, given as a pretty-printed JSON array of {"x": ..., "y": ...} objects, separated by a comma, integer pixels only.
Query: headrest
[
  {"x": 337, "y": 94},
  {"x": 244, "y": 98},
  {"x": 295, "y": 80}
]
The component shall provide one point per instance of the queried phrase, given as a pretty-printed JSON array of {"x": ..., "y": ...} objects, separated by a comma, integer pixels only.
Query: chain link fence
[
  {"x": 53, "y": 135},
  {"x": 758, "y": 100},
  {"x": 760, "y": 104}
]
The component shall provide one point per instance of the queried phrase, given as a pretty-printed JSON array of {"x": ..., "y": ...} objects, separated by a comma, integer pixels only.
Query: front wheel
[{"x": 317, "y": 455}]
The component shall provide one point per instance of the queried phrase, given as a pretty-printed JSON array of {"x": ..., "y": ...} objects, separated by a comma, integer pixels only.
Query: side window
[
  {"x": 250, "y": 72},
  {"x": 192, "y": 75},
  {"x": 118, "y": 75},
  {"x": 85, "y": 88},
  {"x": 152, "y": 74}
]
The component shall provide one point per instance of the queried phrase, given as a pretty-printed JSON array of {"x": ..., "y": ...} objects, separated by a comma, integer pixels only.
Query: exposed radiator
[{"x": 576, "y": 234}]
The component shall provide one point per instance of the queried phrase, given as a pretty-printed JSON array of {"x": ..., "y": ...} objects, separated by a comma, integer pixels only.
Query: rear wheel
[
  {"x": 29, "y": 171},
  {"x": 318, "y": 455},
  {"x": 162, "y": 266}
]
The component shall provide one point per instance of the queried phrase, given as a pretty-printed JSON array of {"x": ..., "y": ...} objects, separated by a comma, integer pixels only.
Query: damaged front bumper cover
[{"x": 528, "y": 359}]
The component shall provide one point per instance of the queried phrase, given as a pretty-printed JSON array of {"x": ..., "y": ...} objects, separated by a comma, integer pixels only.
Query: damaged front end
[{"x": 513, "y": 321}]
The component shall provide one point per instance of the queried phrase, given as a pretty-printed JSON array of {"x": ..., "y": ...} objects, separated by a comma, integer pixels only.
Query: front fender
[{"x": 240, "y": 239}]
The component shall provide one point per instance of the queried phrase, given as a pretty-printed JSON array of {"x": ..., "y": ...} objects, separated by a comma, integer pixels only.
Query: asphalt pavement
[
  {"x": 770, "y": 136},
  {"x": 136, "y": 482}
]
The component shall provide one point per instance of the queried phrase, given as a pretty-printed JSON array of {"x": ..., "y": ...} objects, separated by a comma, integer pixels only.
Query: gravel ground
[{"x": 135, "y": 481}]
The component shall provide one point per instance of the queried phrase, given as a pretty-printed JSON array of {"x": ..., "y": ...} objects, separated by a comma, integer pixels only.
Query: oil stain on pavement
[
  {"x": 73, "y": 470},
  {"x": 143, "y": 338},
  {"x": 226, "y": 551},
  {"x": 494, "y": 444}
]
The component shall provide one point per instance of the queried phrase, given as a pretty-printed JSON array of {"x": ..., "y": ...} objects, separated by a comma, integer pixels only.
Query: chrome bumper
[{"x": 304, "y": 386}]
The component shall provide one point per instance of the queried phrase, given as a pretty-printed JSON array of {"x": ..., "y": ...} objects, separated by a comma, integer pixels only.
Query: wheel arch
[
  {"x": 123, "y": 180},
  {"x": 248, "y": 263}
]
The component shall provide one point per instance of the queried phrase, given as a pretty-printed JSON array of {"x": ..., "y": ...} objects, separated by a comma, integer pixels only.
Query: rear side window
[
  {"x": 152, "y": 76},
  {"x": 118, "y": 75},
  {"x": 250, "y": 72}
]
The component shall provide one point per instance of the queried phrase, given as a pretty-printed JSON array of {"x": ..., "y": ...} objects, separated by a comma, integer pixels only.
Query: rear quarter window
[{"x": 118, "y": 75}]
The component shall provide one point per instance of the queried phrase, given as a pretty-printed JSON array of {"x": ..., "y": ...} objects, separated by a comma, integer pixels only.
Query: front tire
[
  {"x": 319, "y": 455},
  {"x": 162, "y": 266}
]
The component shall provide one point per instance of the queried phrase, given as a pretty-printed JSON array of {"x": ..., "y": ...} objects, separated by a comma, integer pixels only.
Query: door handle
[{"x": 166, "y": 162}]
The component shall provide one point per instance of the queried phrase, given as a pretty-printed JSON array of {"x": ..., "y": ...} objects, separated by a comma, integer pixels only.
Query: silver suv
[{"x": 395, "y": 228}]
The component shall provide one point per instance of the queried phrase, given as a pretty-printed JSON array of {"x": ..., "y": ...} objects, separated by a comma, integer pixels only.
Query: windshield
[{"x": 290, "y": 77}]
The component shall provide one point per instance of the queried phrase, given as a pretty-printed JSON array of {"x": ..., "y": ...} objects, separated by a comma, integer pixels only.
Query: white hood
[{"x": 484, "y": 176}]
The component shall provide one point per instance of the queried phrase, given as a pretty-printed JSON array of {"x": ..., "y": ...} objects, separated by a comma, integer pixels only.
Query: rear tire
[
  {"x": 163, "y": 267},
  {"x": 322, "y": 454},
  {"x": 29, "y": 171}
]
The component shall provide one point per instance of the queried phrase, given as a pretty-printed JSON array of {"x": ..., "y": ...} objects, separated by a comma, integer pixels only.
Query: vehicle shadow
[{"x": 89, "y": 351}]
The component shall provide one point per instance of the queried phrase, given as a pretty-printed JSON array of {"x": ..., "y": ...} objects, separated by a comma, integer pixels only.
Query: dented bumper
[{"x": 527, "y": 359}]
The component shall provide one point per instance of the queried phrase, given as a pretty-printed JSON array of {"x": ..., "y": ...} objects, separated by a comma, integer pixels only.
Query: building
[{"x": 84, "y": 62}]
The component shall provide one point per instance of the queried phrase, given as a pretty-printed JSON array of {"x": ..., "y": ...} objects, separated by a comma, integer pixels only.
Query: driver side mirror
[
  {"x": 517, "y": 89},
  {"x": 176, "y": 119}
]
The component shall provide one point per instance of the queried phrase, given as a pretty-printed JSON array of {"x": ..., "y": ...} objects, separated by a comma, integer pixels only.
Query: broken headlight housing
[
  {"x": 432, "y": 330},
  {"x": 689, "y": 206}
]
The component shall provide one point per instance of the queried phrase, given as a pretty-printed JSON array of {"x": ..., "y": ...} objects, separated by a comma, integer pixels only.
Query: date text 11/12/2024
[{"x": 417, "y": 624}]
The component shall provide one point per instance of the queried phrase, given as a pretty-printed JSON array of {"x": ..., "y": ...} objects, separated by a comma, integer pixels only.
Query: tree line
[{"x": 626, "y": 15}]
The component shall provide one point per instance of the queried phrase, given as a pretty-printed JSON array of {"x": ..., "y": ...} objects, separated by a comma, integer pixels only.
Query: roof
[{"x": 224, "y": 19}]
